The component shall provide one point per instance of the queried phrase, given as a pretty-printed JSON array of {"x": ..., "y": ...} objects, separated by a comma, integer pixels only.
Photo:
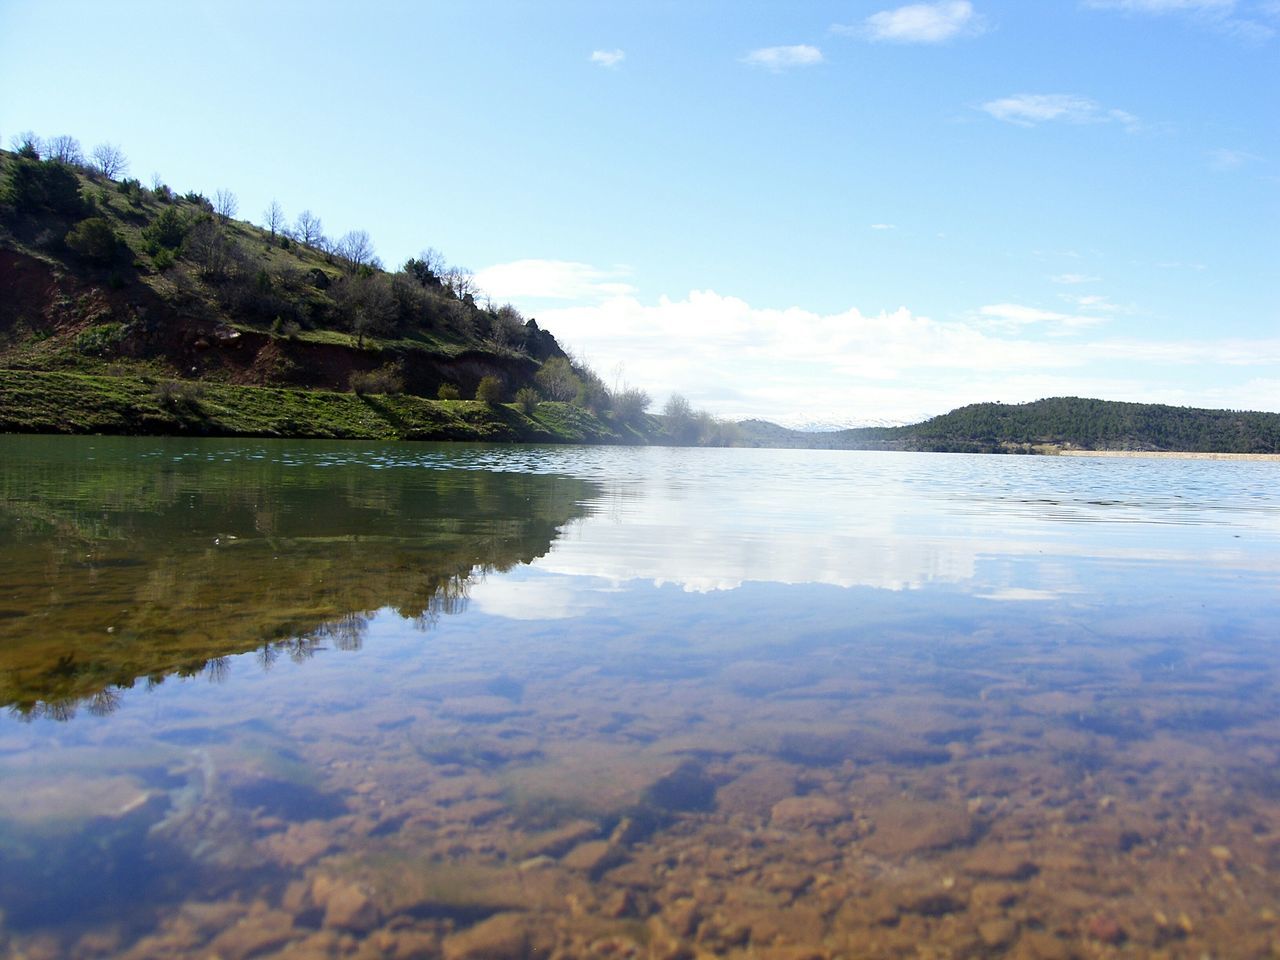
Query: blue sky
[{"x": 842, "y": 210}]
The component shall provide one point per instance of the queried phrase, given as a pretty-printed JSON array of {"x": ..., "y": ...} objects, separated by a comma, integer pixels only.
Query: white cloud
[
  {"x": 608, "y": 58},
  {"x": 1219, "y": 15},
  {"x": 1162, "y": 6},
  {"x": 884, "y": 226},
  {"x": 1093, "y": 302},
  {"x": 918, "y": 23},
  {"x": 1225, "y": 160},
  {"x": 1074, "y": 278},
  {"x": 777, "y": 59},
  {"x": 1029, "y": 109},
  {"x": 551, "y": 280},
  {"x": 1012, "y": 316},
  {"x": 739, "y": 360}
]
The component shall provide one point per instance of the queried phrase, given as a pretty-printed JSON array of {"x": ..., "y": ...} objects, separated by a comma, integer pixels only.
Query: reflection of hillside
[{"x": 121, "y": 568}]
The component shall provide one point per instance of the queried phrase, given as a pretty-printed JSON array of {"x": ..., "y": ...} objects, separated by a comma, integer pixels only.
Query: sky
[{"x": 807, "y": 211}]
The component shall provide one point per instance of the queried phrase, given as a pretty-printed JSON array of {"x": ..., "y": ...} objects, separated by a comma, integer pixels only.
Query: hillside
[
  {"x": 111, "y": 290},
  {"x": 1051, "y": 425}
]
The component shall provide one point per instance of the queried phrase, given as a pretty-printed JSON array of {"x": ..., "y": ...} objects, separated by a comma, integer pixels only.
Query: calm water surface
[{"x": 269, "y": 699}]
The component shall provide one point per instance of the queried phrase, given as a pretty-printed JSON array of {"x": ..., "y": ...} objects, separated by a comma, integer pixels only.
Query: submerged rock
[
  {"x": 1106, "y": 929},
  {"x": 592, "y": 857},
  {"x": 254, "y": 934},
  {"x": 756, "y": 791},
  {"x": 346, "y": 905},
  {"x": 504, "y": 936},
  {"x": 911, "y": 827},
  {"x": 685, "y": 788},
  {"x": 809, "y": 811},
  {"x": 995, "y": 863},
  {"x": 554, "y": 843}
]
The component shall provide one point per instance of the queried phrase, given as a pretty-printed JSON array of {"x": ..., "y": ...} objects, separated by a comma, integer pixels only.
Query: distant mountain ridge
[
  {"x": 1049, "y": 426},
  {"x": 831, "y": 423}
]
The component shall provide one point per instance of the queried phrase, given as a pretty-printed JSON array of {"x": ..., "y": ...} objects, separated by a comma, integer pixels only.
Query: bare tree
[
  {"x": 427, "y": 268},
  {"x": 225, "y": 204},
  {"x": 209, "y": 247},
  {"x": 461, "y": 282},
  {"x": 275, "y": 218},
  {"x": 308, "y": 229},
  {"x": 506, "y": 329},
  {"x": 366, "y": 303},
  {"x": 27, "y": 144},
  {"x": 109, "y": 160},
  {"x": 434, "y": 261},
  {"x": 65, "y": 149},
  {"x": 356, "y": 248}
]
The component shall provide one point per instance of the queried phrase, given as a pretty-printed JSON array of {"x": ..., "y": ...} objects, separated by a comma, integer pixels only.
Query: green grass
[{"x": 55, "y": 402}]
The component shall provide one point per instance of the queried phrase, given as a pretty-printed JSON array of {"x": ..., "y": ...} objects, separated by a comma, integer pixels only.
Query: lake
[{"x": 303, "y": 700}]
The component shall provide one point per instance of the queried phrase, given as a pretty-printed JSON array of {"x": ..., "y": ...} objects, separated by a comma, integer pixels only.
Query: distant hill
[{"x": 1048, "y": 426}]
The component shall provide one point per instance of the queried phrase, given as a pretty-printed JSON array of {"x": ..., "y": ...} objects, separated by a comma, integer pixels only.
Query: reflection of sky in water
[{"x": 1008, "y": 528}]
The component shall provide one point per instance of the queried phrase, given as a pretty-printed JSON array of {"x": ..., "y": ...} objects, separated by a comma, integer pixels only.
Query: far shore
[{"x": 1169, "y": 455}]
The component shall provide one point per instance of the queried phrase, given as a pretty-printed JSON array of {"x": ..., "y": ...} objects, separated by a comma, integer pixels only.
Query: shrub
[
  {"x": 448, "y": 391},
  {"x": 630, "y": 404},
  {"x": 168, "y": 229},
  {"x": 557, "y": 379},
  {"x": 162, "y": 259},
  {"x": 173, "y": 394},
  {"x": 386, "y": 379},
  {"x": 592, "y": 393},
  {"x": 94, "y": 239},
  {"x": 489, "y": 390},
  {"x": 132, "y": 190},
  {"x": 100, "y": 339},
  {"x": 527, "y": 400}
]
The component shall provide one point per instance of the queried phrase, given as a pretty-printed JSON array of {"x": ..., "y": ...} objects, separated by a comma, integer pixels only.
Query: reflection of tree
[
  {"x": 188, "y": 573},
  {"x": 345, "y": 633}
]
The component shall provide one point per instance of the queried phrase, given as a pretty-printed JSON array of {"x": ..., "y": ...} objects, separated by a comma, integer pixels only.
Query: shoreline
[{"x": 1170, "y": 455}]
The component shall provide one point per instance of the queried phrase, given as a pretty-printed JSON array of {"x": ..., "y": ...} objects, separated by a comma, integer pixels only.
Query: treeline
[{"x": 1085, "y": 424}]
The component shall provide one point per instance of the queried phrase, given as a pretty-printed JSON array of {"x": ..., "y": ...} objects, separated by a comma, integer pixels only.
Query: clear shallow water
[{"x": 317, "y": 699}]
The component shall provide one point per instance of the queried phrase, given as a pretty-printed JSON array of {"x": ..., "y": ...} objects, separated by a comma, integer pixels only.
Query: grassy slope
[{"x": 47, "y": 402}]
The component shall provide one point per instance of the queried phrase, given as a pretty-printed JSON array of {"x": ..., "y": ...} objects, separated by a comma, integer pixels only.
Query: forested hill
[
  {"x": 1104, "y": 425},
  {"x": 110, "y": 289},
  {"x": 1057, "y": 423}
]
